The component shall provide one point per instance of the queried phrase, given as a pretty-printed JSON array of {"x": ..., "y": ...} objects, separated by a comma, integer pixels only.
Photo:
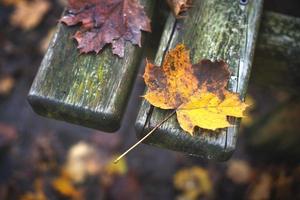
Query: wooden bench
[
  {"x": 93, "y": 90},
  {"x": 216, "y": 30},
  {"x": 275, "y": 136},
  {"x": 86, "y": 89}
]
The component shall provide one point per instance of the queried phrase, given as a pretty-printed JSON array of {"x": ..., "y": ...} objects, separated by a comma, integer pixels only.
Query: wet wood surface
[
  {"x": 86, "y": 89},
  {"x": 216, "y": 30}
]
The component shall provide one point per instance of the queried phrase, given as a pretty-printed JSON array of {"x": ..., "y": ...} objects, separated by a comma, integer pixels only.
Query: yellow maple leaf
[
  {"x": 38, "y": 193},
  {"x": 173, "y": 83},
  {"x": 119, "y": 168},
  {"x": 197, "y": 92},
  {"x": 65, "y": 186},
  {"x": 208, "y": 111},
  {"x": 193, "y": 182}
]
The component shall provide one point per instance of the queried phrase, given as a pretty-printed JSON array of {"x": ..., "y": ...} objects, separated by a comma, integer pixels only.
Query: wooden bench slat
[
  {"x": 277, "y": 53},
  {"x": 216, "y": 30},
  {"x": 277, "y": 66},
  {"x": 90, "y": 90}
]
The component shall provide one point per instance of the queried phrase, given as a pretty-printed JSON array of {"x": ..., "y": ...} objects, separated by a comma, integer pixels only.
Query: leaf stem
[{"x": 145, "y": 137}]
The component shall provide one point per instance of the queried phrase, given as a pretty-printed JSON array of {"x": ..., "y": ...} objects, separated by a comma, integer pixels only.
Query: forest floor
[{"x": 43, "y": 158}]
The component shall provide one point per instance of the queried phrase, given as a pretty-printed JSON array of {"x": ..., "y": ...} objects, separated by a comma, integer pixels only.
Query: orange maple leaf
[
  {"x": 197, "y": 92},
  {"x": 193, "y": 182}
]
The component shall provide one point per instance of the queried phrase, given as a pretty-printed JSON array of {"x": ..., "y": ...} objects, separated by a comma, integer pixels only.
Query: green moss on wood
[
  {"x": 86, "y": 89},
  {"x": 216, "y": 30}
]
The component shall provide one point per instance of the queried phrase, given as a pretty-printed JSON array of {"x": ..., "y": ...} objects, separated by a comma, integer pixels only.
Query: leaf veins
[
  {"x": 197, "y": 92},
  {"x": 107, "y": 22}
]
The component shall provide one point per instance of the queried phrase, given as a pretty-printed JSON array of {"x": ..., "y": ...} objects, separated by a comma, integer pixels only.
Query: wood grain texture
[
  {"x": 216, "y": 30},
  {"x": 86, "y": 89}
]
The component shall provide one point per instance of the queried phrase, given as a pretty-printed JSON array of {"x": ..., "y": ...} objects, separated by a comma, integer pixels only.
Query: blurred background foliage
[{"x": 43, "y": 159}]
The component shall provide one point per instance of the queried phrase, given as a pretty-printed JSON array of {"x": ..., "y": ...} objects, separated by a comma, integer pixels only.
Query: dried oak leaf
[
  {"x": 107, "y": 22},
  {"x": 178, "y": 6},
  {"x": 197, "y": 92}
]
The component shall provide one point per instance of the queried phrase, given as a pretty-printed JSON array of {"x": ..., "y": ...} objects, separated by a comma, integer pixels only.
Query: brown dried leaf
[
  {"x": 178, "y": 6},
  {"x": 7, "y": 83},
  {"x": 239, "y": 171},
  {"x": 197, "y": 92},
  {"x": 28, "y": 14},
  {"x": 65, "y": 186},
  {"x": 107, "y": 22}
]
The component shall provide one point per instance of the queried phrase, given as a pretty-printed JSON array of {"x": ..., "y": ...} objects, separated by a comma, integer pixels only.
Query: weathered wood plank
[
  {"x": 88, "y": 89},
  {"x": 215, "y": 30},
  {"x": 277, "y": 65},
  {"x": 277, "y": 57}
]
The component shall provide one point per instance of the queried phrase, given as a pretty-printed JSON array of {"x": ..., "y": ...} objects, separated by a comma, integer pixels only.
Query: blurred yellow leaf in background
[{"x": 193, "y": 182}]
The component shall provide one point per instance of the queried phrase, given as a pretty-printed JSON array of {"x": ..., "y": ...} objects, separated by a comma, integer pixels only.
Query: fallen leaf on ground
[
  {"x": 6, "y": 84},
  {"x": 65, "y": 186},
  {"x": 113, "y": 171},
  {"x": 119, "y": 168},
  {"x": 239, "y": 171},
  {"x": 38, "y": 193},
  {"x": 107, "y": 22},
  {"x": 178, "y": 6},
  {"x": 197, "y": 92},
  {"x": 83, "y": 160},
  {"x": 29, "y": 14},
  {"x": 193, "y": 182}
]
